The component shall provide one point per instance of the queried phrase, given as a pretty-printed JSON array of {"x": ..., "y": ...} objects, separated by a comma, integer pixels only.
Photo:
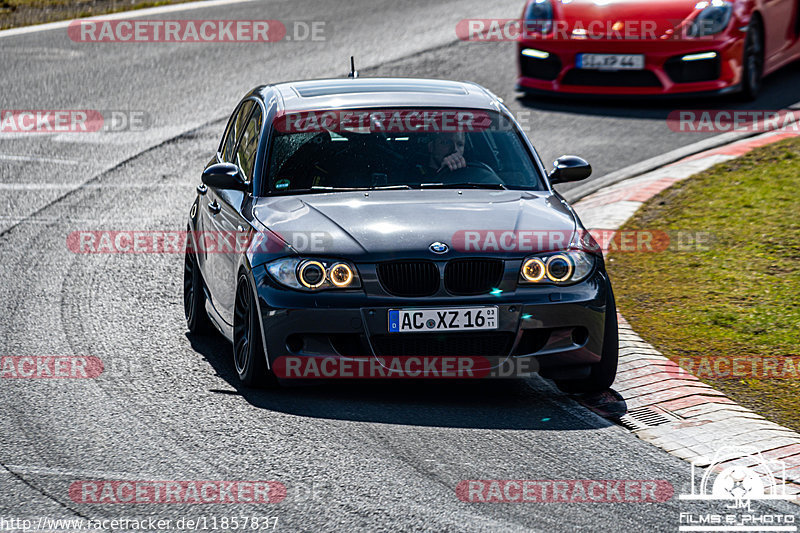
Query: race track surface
[{"x": 354, "y": 457}]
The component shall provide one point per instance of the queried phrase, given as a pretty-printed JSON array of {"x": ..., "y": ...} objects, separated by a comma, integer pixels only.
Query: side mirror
[
  {"x": 569, "y": 168},
  {"x": 224, "y": 176}
]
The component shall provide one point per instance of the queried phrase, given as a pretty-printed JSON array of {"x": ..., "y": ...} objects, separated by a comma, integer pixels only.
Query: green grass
[
  {"x": 16, "y": 13},
  {"x": 740, "y": 296}
]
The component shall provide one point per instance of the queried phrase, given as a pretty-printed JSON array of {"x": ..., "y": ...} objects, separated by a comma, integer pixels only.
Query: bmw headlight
[
  {"x": 307, "y": 274},
  {"x": 714, "y": 18},
  {"x": 538, "y": 17},
  {"x": 560, "y": 268}
]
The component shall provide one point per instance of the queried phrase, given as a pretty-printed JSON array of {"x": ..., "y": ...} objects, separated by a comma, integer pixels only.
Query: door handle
[
  {"x": 202, "y": 188},
  {"x": 214, "y": 207}
]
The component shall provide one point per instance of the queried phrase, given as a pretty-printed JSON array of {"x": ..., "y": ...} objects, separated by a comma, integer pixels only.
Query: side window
[
  {"x": 248, "y": 145},
  {"x": 234, "y": 129}
]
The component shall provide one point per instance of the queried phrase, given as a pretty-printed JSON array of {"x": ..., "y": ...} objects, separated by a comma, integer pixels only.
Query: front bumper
[
  {"x": 665, "y": 72},
  {"x": 560, "y": 329}
]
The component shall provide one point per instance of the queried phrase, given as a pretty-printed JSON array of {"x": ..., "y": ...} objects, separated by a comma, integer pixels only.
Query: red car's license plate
[{"x": 610, "y": 61}]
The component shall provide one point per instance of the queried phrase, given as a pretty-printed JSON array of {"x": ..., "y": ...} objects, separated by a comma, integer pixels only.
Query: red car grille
[{"x": 621, "y": 78}]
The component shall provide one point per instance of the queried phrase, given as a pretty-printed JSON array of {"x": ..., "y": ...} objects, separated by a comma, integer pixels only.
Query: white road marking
[
  {"x": 30, "y": 159},
  {"x": 74, "y": 474},
  {"x": 61, "y": 24},
  {"x": 58, "y": 186}
]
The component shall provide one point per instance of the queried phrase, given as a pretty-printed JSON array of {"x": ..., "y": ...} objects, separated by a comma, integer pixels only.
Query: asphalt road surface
[{"x": 369, "y": 457}]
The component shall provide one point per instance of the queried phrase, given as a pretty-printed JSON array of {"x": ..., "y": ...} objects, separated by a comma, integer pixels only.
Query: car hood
[
  {"x": 396, "y": 224},
  {"x": 598, "y": 17}
]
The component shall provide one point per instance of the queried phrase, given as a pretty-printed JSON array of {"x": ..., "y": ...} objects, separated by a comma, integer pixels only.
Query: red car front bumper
[{"x": 550, "y": 65}]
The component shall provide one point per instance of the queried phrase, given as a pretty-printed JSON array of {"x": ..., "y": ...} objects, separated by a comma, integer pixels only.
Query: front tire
[
  {"x": 603, "y": 373},
  {"x": 249, "y": 356},
  {"x": 753, "y": 61}
]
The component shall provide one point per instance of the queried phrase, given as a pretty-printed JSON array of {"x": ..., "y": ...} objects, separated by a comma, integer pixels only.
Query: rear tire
[
  {"x": 249, "y": 356},
  {"x": 753, "y": 61},
  {"x": 603, "y": 373},
  {"x": 194, "y": 296}
]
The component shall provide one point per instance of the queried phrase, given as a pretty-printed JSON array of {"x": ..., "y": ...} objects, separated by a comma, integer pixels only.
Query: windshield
[{"x": 398, "y": 149}]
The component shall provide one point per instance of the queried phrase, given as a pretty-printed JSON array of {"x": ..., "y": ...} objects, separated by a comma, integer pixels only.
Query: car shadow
[
  {"x": 530, "y": 404},
  {"x": 778, "y": 92}
]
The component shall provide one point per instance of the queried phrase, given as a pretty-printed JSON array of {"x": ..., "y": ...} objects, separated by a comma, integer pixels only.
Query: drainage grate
[{"x": 647, "y": 417}]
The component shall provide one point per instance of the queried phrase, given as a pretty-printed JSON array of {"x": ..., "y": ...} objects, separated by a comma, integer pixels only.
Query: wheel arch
[{"x": 246, "y": 270}]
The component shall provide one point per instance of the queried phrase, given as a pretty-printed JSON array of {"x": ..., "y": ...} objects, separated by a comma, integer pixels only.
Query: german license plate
[
  {"x": 610, "y": 61},
  {"x": 450, "y": 319}
]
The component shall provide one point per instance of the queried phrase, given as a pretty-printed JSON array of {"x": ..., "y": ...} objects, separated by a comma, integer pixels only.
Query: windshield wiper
[
  {"x": 320, "y": 188},
  {"x": 465, "y": 185},
  {"x": 375, "y": 188}
]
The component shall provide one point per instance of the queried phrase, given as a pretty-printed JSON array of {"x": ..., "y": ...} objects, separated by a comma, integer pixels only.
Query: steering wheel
[
  {"x": 480, "y": 165},
  {"x": 470, "y": 164}
]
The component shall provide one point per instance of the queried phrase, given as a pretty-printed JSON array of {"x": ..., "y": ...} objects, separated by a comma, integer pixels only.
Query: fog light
[
  {"x": 311, "y": 274},
  {"x": 580, "y": 335},
  {"x": 294, "y": 343}
]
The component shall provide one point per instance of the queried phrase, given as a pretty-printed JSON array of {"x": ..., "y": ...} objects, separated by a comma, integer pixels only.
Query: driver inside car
[{"x": 445, "y": 152}]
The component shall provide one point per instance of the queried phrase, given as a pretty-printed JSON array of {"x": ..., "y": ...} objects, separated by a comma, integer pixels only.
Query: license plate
[
  {"x": 611, "y": 61},
  {"x": 451, "y": 319}
]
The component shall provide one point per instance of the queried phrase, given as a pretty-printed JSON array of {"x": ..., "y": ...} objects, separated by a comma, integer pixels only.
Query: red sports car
[{"x": 655, "y": 47}]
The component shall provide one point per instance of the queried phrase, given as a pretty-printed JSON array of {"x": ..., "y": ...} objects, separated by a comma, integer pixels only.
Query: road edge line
[{"x": 133, "y": 13}]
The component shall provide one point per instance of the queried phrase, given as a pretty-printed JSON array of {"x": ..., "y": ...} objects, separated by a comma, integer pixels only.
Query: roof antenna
[{"x": 353, "y": 71}]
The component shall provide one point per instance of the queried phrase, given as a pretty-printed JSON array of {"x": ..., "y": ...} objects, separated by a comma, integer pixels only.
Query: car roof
[{"x": 344, "y": 93}]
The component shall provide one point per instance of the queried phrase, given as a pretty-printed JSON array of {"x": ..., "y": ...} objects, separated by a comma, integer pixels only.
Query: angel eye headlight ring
[
  {"x": 311, "y": 274},
  {"x": 340, "y": 275},
  {"x": 559, "y": 268},
  {"x": 534, "y": 270}
]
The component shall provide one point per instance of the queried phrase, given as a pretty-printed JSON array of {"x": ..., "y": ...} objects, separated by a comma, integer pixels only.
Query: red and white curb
[{"x": 668, "y": 406}]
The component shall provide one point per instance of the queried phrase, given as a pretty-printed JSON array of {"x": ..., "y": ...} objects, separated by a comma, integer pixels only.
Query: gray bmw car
[{"x": 373, "y": 220}]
